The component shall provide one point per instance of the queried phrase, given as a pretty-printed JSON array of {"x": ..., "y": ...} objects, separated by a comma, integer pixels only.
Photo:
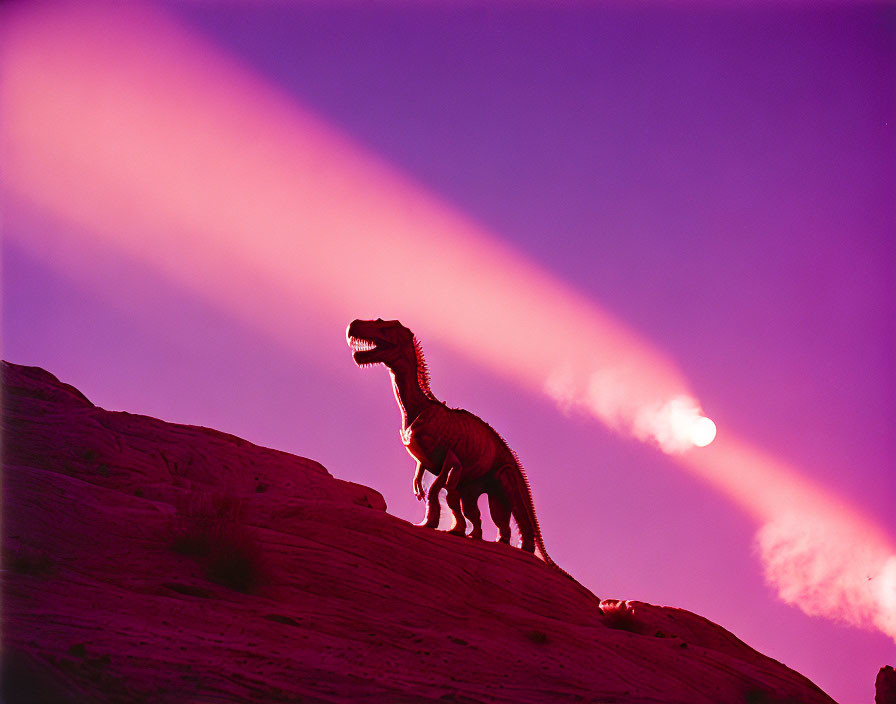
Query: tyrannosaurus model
[{"x": 467, "y": 456}]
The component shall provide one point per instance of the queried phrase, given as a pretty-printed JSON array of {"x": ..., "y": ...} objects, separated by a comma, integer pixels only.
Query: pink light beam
[{"x": 153, "y": 145}]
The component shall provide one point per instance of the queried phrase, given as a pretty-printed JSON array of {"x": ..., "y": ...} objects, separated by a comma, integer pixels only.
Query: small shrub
[
  {"x": 236, "y": 564},
  {"x": 210, "y": 527},
  {"x": 537, "y": 636},
  {"x": 34, "y": 564}
]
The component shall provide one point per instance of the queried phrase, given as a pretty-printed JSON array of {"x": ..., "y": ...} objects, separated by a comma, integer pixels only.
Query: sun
[{"x": 703, "y": 431}]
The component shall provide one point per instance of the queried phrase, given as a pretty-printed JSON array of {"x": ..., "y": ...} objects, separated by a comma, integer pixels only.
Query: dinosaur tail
[{"x": 516, "y": 484}]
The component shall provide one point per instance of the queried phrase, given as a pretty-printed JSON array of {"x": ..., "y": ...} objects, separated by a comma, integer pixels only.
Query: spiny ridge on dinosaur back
[{"x": 466, "y": 455}]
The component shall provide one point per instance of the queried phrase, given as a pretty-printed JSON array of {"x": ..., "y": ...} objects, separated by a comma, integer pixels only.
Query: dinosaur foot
[
  {"x": 476, "y": 534},
  {"x": 503, "y": 539},
  {"x": 427, "y": 524},
  {"x": 458, "y": 530}
]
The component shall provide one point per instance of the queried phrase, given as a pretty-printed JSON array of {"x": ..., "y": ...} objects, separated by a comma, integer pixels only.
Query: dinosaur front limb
[{"x": 418, "y": 482}]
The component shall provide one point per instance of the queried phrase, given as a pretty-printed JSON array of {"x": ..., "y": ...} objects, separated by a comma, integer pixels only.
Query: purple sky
[{"x": 721, "y": 180}]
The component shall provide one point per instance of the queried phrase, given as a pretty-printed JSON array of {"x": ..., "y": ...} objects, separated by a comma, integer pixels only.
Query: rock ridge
[{"x": 147, "y": 561}]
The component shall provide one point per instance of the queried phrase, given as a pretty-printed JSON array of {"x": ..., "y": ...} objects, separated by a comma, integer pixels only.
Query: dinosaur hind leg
[
  {"x": 499, "y": 507},
  {"x": 514, "y": 488},
  {"x": 527, "y": 530},
  {"x": 469, "y": 501},
  {"x": 452, "y": 498},
  {"x": 433, "y": 508}
]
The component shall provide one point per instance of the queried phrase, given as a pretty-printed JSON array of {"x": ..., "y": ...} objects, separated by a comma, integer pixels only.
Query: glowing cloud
[
  {"x": 820, "y": 553},
  {"x": 827, "y": 568},
  {"x": 154, "y": 146}
]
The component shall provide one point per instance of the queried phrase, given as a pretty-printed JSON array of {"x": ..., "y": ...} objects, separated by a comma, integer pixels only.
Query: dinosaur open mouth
[
  {"x": 359, "y": 344},
  {"x": 364, "y": 350}
]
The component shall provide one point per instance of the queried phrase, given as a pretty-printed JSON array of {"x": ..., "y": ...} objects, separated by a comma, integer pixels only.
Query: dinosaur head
[{"x": 380, "y": 341}]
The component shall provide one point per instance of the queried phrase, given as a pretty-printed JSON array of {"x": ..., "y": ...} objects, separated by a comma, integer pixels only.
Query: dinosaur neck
[
  {"x": 410, "y": 382},
  {"x": 412, "y": 401}
]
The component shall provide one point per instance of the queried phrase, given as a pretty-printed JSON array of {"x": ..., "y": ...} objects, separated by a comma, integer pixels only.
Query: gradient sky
[{"x": 720, "y": 180}]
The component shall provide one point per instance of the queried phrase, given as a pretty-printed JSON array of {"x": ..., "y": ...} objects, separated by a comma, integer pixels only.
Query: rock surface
[
  {"x": 151, "y": 562},
  {"x": 885, "y": 686}
]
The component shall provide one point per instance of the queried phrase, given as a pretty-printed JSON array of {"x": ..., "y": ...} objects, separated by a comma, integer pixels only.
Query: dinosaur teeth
[{"x": 360, "y": 345}]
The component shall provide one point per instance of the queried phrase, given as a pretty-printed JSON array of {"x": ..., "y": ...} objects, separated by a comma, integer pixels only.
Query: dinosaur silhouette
[{"x": 464, "y": 452}]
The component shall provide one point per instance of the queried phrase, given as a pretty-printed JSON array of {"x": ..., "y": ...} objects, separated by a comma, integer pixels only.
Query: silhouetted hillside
[{"x": 151, "y": 562}]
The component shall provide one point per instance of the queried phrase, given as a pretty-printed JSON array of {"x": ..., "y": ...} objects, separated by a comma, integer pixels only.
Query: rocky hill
[{"x": 150, "y": 562}]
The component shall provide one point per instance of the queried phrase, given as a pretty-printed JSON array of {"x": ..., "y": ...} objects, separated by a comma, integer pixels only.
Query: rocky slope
[{"x": 152, "y": 562}]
